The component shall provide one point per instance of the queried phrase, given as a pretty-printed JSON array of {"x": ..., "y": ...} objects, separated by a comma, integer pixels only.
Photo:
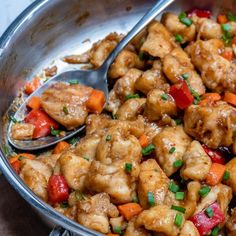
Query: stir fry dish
[{"x": 159, "y": 158}]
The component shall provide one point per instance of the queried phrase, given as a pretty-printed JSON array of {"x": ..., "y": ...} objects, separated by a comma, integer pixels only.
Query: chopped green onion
[
  {"x": 178, "y": 121},
  {"x": 108, "y": 138},
  {"x": 148, "y": 150},
  {"x": 179, "y": 195},
  {"x": 227, "y": 38},
  {"x": 178, "y": 163},
  {"x": 117, "y": 230},
  {"x": 151, "y": 199},
  {"x": 226, "y": 27},
  {"x": 215, "y": 231},
  {"x": 128, "y": 167},
  {"x": 231, "y": 17},
  {"x": 73, "y": 141},
  {"x": 185, "y": 76},
  {"x": 178, "y": 208},
  {"x": 178, "y": 38},
  {"x": 86, "y": 158},
  {"x": 226, "y": 175},
  {"x": 209, "y": 212},
  {"x": 65, "y": 110},
  {"x": 131, "y": 96},
  {"x": 174, "y": 187},
  {"x": 73, "y": 81},
  {"x": 164, "y": 97},
  {"x": 204, "y": 191},
  {"x": 172, "y": 150},
  {"x": 195, "y": 101},
  {"x": 184, "y": 19},
  {"x": 178, "y": 220},
  {"x": 64, "y": 204},
  {"x": 21, "y": 158},
  {"x": 55, "y": 132},
  {"x": 135, "y": 199},
  {"x": 13, "y": 119}
]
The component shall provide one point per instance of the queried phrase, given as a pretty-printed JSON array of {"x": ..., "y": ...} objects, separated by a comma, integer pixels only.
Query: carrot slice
[
  {"x": 222, "y": 19},
  {"x": 96, "y": 101},
  {"x": 32, "y": 86},
  {"x": 60, "y": 147},
  {"x": 129, "y": 210},
  {"x": 230, "y": 98},
  {"x": 209, "y": 99},
  {"x": 34, "y": 103},
  {"x": 143, "y": 140},
  {"x": 227, "y": 55},
  {"x": 215, "y": 174}
]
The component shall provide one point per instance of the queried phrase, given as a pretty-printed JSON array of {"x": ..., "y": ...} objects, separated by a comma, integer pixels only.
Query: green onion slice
[
  {"x": 178, "y": 220},
  {"x": 179, "y": 195},
  {"x": 174, "y": 187},
  {"x": 178, "y": 163},
  {"x": 226, "y": 175},
  {"x": 209, "y": 212},
  {"x": 148, "y": 150},
  {"x": 178, "y": 208},
  {"x": 128, "y": 167},
  {"x": 151, "y": 198},
  {"x": 204, "y": 191},
  {"x": 131, "y": 96}
]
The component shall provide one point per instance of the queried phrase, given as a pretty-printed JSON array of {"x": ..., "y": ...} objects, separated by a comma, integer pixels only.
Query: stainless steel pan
[{"x": 49, "y": 30}]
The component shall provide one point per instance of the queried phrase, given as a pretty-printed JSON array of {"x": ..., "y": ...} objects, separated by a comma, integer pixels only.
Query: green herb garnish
[
  {"x": 65, "y": 110},
  {"x": 179, "y": 195},
  {"x": 86, "y": 158},
  {"x": 151, "y": 199},
  {"x": 231, "y": 17},
  {"x": 117, "y": 230},
  {"x": 204, "y": 191},
  {"x": 178, "y": 220},
  {"x": 178, "y": 163},
  {"x": 184, "y": 19},
  {"x": 128, "y": 167},
  {"x": 185, "y": 76},
  {"x": 215, "y": 231},
  {"x": 108, "y": 138},
  {"x": 172, "y": 150},
  {"x": 14, "y": 120},
  {"x": 178, "y": 38},
  {"x": 73, "y": 141},
  {"x": 226, "y": 175},
  {"x": 173, "y": 187},
  {"x": 164, "y": 97},
  {"x": 148, "y": 150},
  {"x": 178, "y": 208},
  {"x": 131, "y": 96},
  {"x": 209, "y": 212},
  {"x": 55, "y": 132}
]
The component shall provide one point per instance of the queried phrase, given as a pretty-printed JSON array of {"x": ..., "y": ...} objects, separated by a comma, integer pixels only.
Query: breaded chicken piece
[
  {"x": 22, "y": 131},
  {"x": 132, "y": 230},
  {"x": 231, "y": 168},
  {"x": 189, "y": 229}
]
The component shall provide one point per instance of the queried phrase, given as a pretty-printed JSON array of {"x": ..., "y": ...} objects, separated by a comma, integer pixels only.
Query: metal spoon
[{"x": 93, "y": 78}]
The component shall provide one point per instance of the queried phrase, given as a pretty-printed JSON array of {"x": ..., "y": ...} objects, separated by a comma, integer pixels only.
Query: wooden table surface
[{"x": 16, "y": 217}]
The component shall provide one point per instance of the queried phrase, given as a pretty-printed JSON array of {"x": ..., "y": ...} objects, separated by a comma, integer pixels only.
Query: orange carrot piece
[
  {"x": 130, "y": 210},
  {"x": 16, "y": 165},
  {"x": 96, "y": 101},
  {"x": 222, "y": 19},
  {"x": 112, "y": 234},
  {"x": 209, "y": 99},
  {"x": 13, "y": 159},
  {"x": 234, "y": 40},
  {"x": 34, "y": 103},
  {"x": 60, "y": 147},
  {"x": 27, "y": 156},
  {"x": 215, "y": 174},
  {"x": 30, "y": 87},
  {"x": 143, "y": 140},
  {"x": 227, "y": 55},
  {"x": 230, "y": 98}
]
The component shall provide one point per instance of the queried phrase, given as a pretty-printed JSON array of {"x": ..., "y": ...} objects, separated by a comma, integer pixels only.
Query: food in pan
[{"x": 159, "y": 159}]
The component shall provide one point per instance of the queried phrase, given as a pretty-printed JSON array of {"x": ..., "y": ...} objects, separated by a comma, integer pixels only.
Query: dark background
[{"x": 17, "y": 218}]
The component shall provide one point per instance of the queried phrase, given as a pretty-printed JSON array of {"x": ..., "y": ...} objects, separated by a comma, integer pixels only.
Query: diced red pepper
[
  {"x": 58, "y": 190},
  {"x": 200, "y": 13},
  {"x": 42, "y": 123},
  {"x": 181, "y": 94},
  {"x": 203, "y": 223},
  {"x": 16, "y": 165},
  {"x": 215, "y": 155}
]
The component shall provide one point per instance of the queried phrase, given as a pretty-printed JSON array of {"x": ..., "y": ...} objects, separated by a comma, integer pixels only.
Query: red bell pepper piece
[
  {"x": 42, "y": 123},
  {"x": 181, "y": 94},
  {"x": 204, "y": 223},
  {"x": 16, "y": 165},
  {"x": 58, "y": 190},
  {"x": 200, "y": 13},
  {"x": 215, "y": 155}
]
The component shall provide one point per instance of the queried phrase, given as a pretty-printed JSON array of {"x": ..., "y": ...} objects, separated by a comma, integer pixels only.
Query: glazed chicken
[{"x": 158, "y": 159}]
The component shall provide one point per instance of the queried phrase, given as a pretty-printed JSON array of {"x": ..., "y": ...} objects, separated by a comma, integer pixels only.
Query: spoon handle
[{"x": 147, "y": 18}]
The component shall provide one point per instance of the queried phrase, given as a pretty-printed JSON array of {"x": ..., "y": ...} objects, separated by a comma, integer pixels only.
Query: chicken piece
[
  {"x": 36, "y": 175},
  {"x": 73, "y": 97},
  {"x": 131, "y": 108},
  {"x": 69, "y": 212},
  {"x": 196, "y": 162},
  {"x": 122, "y": 88},
  {"x": 159, "y": 219},
  {"x": 87, "y": 146},
  {"x": 159, "y": 41},
  {"x": 218, "y": 74},
  {"x": 95, "y": 124},
  {"x": 111, "y": 179},
  {"x": 152, "y": 179},
  {"x": 118, "y": 222},
  {"x": 49, "y": 159},
  {"x": 231, "y": 223},
  {"x": 118, "y": 145},
  {"x": 151, "y": 130},
  {"x": 158, "y": 105},
  {"x": 231, "y": 168},
  {"x": 132, "y": 230},
  {"x": 189, "y": 229},
  {"x": 94, "y": 212},
  {"x": 77, "y": 59},
  {"x": 139, "y": 39},
  {"x": 177, "y": 63},
  {"x": 173, "y": 25},
  {"x": 152, "y": 79},
  {"x": 221, "y": 194},
  {"x": 123, "y": 63},
  {"x": 22, "y": 131},
  {"x": 74, "y": 168},
  {"x": 212, "y": 125},
  {"x": 171, "y": 144}
]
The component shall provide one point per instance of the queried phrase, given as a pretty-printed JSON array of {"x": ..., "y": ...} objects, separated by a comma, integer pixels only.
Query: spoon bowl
[{"x": 96, "y": 79}]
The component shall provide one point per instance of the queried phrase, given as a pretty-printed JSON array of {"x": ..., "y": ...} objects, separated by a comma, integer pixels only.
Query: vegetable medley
[{"x": 159, "y": 158}]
